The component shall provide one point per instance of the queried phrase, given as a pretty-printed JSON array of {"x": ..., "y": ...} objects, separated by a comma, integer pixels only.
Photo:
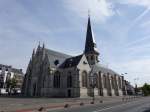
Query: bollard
[
  {"x": 92, "y": 102},
  {"x": 66, "y": 106},
  {"x": 129, "y": 98},
  {"x": 81, "y": 104},
  {"x": 101, "y": 101},
  {"x": 41, "y": 109},
  {"x": 126, "y": 99},
  {"x": 122, "y": 99}
]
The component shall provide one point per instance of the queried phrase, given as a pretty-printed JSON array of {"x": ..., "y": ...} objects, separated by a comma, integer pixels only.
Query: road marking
[
  {"x": 112, "y": 107},
  {"x": 108, "y": 108}
]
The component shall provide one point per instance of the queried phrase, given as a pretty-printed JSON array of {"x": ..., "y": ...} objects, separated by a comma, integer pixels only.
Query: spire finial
[
  {"x": 33, "y": 50},
  {"x": 90, "y": 45},
  {"x": 43, "y": 45},
  {"x": 89, "y": 12},
  {"x": 33, "y": 53},
  {"x": 39, "y": 43}
]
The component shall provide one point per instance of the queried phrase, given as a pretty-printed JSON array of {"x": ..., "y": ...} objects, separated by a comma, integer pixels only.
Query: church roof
[
  {"x": 71, "y": 62},
  {"x": 56, "y": 58},
  {"x": 103, "y": 69},
  {"x": 90, "y": 45},
  {"x": 14, "y": 70}
]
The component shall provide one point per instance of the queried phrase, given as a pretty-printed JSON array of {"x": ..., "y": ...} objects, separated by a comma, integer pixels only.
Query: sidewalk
[{"x": 33, "y": 104}]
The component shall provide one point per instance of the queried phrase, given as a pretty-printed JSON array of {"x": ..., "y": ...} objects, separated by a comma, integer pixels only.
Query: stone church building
[{"x": 54, "y": 74}]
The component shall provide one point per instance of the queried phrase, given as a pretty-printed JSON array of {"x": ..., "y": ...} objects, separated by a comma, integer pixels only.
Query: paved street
[
  {"x": 17, "y": 103},
  {"x": 140, "y": 105},
  {"x": 110, "y": 104}
]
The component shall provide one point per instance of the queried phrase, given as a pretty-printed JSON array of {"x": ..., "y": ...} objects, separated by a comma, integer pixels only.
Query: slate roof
[
  {"x": 71, "y": 62},
  {"x": 66, "y": 61},
  {"x": 90, "y": 45},
  {"x": 54, "y": 56},
  {"x": 103, "y": 69},
  {"x": 7, "y": 67},
  {"x": 18, "y": 71}
]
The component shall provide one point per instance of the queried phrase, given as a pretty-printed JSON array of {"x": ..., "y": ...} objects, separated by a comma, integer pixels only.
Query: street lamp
[
  {"x": 124, "y": 84},
  {"x": 93, "y": 84},
  {"x": 136, "y": 88}
]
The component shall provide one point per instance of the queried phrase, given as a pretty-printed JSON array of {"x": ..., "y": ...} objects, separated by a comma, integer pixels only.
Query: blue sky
[{"x": 121, "y": 29}]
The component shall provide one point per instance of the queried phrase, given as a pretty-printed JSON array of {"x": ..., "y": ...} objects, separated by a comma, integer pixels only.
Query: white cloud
[
  {"x": 145, "y": 3},
  {"x": 99, "y": 9},
  {"x": 145, "y": 24},
  {"x": 139, "y": 41},
  {"x": 135, "y": 69}
]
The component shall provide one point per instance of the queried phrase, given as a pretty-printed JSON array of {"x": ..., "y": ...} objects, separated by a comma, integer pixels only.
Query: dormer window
[
  {"x": 97, "y": 58},
  {"x": 71, "y": 59},
  {"x": 95, "y": 45},
  {"x": 56, "y": 62},
  {"x": 69, "y": 64},
  {"x": 84, "y": 62}
]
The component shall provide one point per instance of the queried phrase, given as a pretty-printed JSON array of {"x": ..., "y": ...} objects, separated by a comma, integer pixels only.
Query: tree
[
  {"x": 11, "y": 84},
  {"x": 146, "y": 89}
]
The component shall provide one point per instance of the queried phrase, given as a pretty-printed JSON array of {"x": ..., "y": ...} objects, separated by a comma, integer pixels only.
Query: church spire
[
  {"x": 33, "y": 53},
  {"x": 90, "y": 45},
  {"x": 91, "y": 51}
]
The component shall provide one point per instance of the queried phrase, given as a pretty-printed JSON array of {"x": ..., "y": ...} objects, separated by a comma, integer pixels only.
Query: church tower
[{"x": 91, "y": 51}]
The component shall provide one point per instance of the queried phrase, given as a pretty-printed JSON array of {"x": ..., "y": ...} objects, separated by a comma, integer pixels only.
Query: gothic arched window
[
  {"x": 57, "y": 80},
  {"x": 92, "y": 57},
  {"x": 69, "y": 81},
  {"x": 119, "y": 82},
  {"x": 105, "y": 81},
  {"x": 84, "y": 79},
  {"x": 96, "y": 79},
  {"x": 112, "y": 82},
  {"x": 100, "y": 80},
  {"x": 87, "y": 58}
]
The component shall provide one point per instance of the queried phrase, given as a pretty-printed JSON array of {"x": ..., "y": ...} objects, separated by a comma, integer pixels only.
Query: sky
[{"x": 121, "y": 29}]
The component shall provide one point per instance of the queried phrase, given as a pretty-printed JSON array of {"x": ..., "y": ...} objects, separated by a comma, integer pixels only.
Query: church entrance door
[
  {"x": 34, "y": 89},
  {"x": 69, "y": 93}
]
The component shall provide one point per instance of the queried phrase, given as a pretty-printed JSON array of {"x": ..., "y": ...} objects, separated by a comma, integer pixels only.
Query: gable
[{"x": 83, "y": 64}]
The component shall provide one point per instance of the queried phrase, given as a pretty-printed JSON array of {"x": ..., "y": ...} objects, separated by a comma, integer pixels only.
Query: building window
[
  {"x": 84, "y": 79},
  {"x": 6, "y": 69},
  {"x": 44, "y": 81},
  {"x": 87, "y": 58},
  {"x": 56, "y": 62},
  {"x": 97, "y": 58},
  {"x": 57, "y": 80},
  {"x": 69, "y": 81},
  {"x": 112, "y": 82},
  {"x": 119, "y": 81},
  {"x": 92, "y": 57},
  {"x": 96, "y": 80},
  {"x": 100, "y": 80},
  {"x": 105, "y": 81}
]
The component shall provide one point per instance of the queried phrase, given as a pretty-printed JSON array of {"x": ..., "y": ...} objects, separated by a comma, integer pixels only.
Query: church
[{"x": 54, "y": 74}]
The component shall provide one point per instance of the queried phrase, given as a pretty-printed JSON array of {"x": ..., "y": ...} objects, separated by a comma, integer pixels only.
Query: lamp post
[
  {"x": 124, "y": 86},
  {"x": 136, "y": 88},
  {"x": 124, "y": 83},
  {"x": 93, "y": 85}
]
